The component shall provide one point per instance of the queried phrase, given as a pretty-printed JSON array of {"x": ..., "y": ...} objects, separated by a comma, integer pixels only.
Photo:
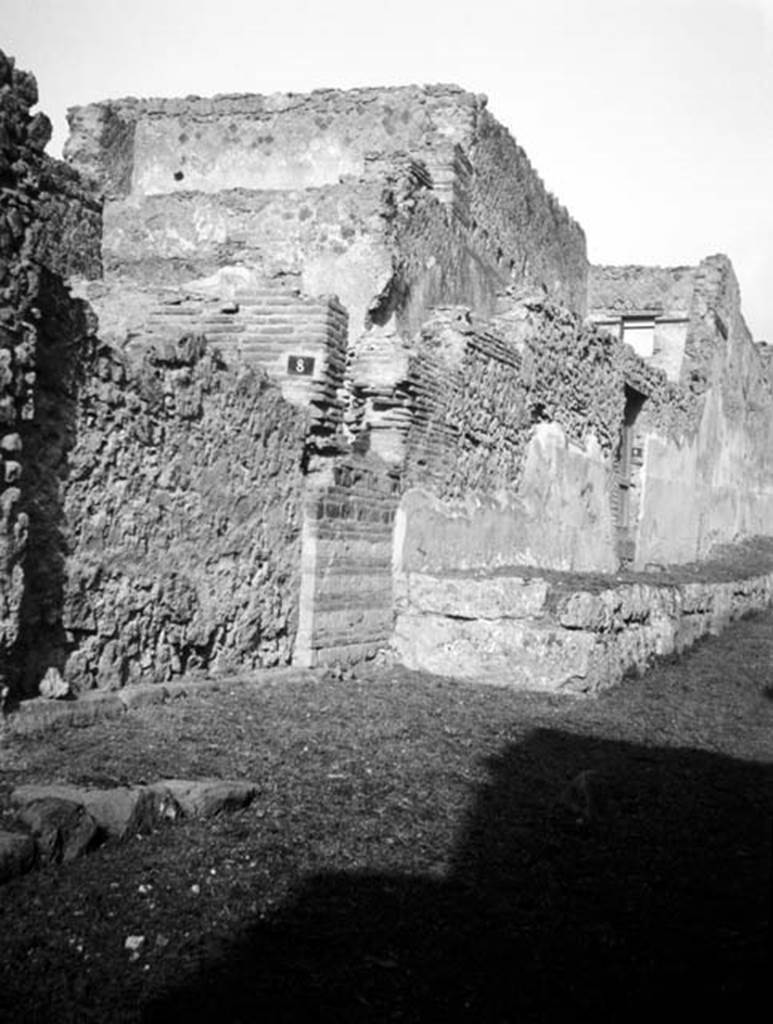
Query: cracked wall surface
[{"x": 149, "y": 155}]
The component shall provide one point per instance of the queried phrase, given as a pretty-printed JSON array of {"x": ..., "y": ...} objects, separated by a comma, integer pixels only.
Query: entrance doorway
[{"x": 628, "y": 459}]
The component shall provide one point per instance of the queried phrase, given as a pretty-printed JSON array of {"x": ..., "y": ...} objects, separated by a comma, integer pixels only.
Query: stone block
[
  {"x": 204, "y": 798},
  {"x": 17, "y": 854},
  {"x": 142, "y": 696},
  {"x": 63, "y": 829},
  {"x": 119, "y": 813},
  {"x": 472, "y": 597},
  {"x": 504, "y": 652}
]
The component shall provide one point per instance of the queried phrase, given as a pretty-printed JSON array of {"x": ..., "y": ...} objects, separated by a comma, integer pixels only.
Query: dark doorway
[{"x": 627, "y": 458}]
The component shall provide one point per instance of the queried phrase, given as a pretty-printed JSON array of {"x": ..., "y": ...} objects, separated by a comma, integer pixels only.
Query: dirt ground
[{"x": 413, "y": 855}]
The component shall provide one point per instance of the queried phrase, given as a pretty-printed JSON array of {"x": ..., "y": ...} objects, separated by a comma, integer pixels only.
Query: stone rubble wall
[
  {"x": 637, "y": 289},
  {"x": 50, "y": 225},
  {"x": 532, "y": 237},
  {"x": 503, "y": 431},
  {"x": 169, "y": 513},
  {"x": 541, "y": 634},
  {"x": 345, "y": 601}
]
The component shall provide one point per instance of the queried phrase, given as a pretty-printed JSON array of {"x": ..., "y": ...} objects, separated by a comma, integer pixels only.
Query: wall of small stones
[
  {"x": 168, "y": 499},
  {"x": 637, "y": 289},
  {"x": 532, "y": 237},
  {"x": 49, "y": 226}
]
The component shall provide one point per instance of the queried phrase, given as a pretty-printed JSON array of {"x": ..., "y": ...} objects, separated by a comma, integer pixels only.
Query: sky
[{"x": 650, "y": 120}]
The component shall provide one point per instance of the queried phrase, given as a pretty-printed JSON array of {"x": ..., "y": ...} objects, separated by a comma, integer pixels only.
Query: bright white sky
[{"x": 651, "y": 120}]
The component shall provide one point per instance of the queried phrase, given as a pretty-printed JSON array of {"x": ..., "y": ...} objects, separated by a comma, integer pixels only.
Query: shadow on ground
[{"x": 659, "y": 906}]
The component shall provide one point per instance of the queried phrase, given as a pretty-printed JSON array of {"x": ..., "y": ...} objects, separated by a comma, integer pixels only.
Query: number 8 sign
[{"x": 300, "y": 366}]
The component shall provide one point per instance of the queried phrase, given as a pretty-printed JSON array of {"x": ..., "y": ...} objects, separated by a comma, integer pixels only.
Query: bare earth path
[{"x": 409, "y": 856}]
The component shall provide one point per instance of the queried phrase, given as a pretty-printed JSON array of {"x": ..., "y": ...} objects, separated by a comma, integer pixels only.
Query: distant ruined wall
[
  {"x": 633, "y": 289},
  {"x": 715, "y": 485},
  {"x": 531, "y": 235}
]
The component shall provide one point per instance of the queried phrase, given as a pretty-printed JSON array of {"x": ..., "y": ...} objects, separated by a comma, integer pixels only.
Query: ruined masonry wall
[
  {"x": 145, "y": 149},
  {"x": 49, "y": 226},
  {"x": 175, "y": 519},
  {"x": 494, "y": 473},
  {"x": 636, "y": 289},
  {"x": 531, "y": 236},
  {"x": 716, "y": 485},
  {"x": 540, "y": 634}
]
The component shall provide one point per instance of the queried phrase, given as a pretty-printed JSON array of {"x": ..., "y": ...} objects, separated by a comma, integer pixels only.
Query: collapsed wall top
[{"x": 141, "y": 149}]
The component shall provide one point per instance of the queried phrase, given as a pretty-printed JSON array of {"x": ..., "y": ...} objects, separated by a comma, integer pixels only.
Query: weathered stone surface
[
  {"x": 204, "y": 798},
  {"x": 52, "y": 686},
  {"x": 17, "y": 854},
  {"x": 477, "y": 597},
  {"x": 582, "y": 641},
  {"x": 147, "y": 151},
  {"x": 197, "y": 468},
  {"x": 63, "y": 829},
  {"x": 503, "y": 652},
  {"x": 119, "y": 813},
  {"x": 143, "y": 696}
]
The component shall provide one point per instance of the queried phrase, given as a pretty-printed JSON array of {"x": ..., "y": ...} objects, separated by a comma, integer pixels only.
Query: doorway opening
[{"x": 628, "y": 459}]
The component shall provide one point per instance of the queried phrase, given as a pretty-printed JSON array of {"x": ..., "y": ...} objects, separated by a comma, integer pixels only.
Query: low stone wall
[{"x": 536, "y": 633}]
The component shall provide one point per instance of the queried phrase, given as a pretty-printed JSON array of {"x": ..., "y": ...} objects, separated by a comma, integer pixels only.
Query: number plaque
[{"x": 300, "y": 366}]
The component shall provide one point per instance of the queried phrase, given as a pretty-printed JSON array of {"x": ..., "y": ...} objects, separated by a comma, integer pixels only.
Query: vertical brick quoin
[{"x": 346, "y": 606}]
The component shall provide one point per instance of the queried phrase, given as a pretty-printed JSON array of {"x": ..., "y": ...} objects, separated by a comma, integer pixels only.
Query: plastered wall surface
[
  {"x": 494, "y": 474},
  {"x": 711, "y": 482},
  {"x": 557, "y": 517},
  {"x": 143, "y": 150}
]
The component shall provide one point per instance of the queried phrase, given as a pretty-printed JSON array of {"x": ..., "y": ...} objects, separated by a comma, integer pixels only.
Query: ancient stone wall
[
  {"x": 531, "y": 236},
  {"x": 503, "y": 433},
  {"x": 167, "y": 500},
  {"x": 637, "y": 289},
  {"x": 383, "y": 244},
  {"x": 231, "y": 150},
  {"x": 563, "y": 634},
  {"x": 50, "y": 226}
]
